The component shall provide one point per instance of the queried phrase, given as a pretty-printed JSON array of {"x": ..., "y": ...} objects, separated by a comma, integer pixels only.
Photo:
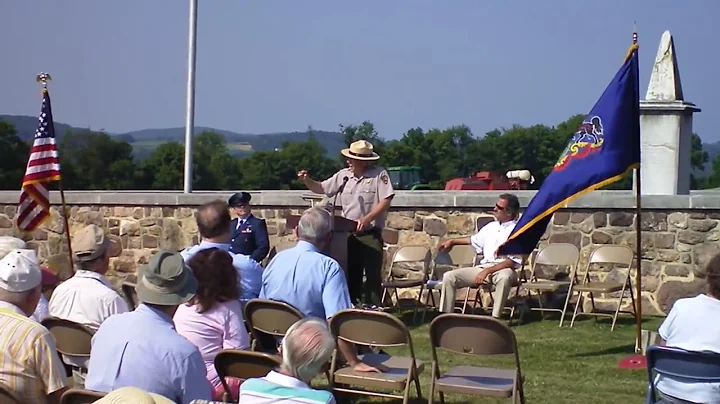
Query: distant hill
[{"x": 144, "y": 141}]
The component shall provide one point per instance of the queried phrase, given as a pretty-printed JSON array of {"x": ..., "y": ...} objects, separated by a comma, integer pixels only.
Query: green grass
[{"x": 560, "y": 365}]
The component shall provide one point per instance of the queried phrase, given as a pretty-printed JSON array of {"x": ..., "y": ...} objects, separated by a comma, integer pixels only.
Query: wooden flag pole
[
  {"x": 638, "y": 255},
  {"x": 43, "y": 79}
]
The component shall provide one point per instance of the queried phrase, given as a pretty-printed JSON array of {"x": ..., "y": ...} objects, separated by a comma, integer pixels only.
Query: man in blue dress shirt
[
  {"x": 248, "y": 234},
  {"x": 310, "y": 281},
  {"x": 142, "y": 349}
]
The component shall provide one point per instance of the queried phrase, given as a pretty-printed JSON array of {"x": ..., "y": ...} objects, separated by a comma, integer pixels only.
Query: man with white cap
[
  {"x": 30, "y": 366},
  {"x": 8, "y": 244},
  {"x": 141, "y": 348},
  {"x": 365, "y": 194}
]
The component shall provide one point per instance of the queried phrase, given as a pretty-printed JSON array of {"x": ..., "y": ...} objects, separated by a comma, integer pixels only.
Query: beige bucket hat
[
  {"x": 360, "y": 150},
  {"x": 134, "y": 395},
  {"x": 91, "y": 242}
]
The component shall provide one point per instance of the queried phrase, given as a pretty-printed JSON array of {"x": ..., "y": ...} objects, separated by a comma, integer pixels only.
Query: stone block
[
  {"x": 677, "y": 270},
  {"x": 434, "y": 226},
  {"x": 5, "y": 223},
  {"x": 690, "y": 237},
  {"x": 570, "y": 237},
  {"x": 621, "y": 219},
  {"x": 578, "y": 217},
  {"x": 599, "y": 219},
  {"x": 600, "y": 237},
  {"x": 702, "y": 226},
  {"x": 390, "y": 236},
  {"x": 460, "y": 224},
  {"x": 561, "y": 218},
  {"x": 400, "y": 222},
  {"x": 664, "y": 240},
  {"x": 678, "y": 220}
]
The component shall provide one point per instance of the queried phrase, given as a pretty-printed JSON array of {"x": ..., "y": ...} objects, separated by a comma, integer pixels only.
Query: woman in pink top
[{"x": 213, "y": 320}]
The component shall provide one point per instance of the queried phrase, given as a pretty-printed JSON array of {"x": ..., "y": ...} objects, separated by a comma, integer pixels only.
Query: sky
[{"x": 274, "y": 66}]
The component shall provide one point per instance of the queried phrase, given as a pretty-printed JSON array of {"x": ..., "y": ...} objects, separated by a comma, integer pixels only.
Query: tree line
[{"x": 92, "y": 160}]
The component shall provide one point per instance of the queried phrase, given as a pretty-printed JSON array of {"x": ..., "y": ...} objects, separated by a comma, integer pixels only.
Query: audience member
[
  {"x": 29, "y": 366},
  {"x": 213, "y": 222},
  {"x": 310, "y": 281},
  {"x": 690, "y": 327},
  {"x": 494, "y": 270},
  {"x": 213, "y": 319},
  {"x": 88, "y": 298},
  {"x": 306, "y": 349},
  {"x": 8, "y": 244},
  {"x": 141, "y": 348}
]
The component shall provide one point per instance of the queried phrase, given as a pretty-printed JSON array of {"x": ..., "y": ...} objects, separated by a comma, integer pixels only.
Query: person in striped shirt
[
  {"x": 30, "y": 367},
  {"x": 306, "y": 349}
]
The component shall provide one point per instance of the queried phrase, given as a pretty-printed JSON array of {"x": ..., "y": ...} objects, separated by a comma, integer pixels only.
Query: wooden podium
[{"x": 337, "y": 248}]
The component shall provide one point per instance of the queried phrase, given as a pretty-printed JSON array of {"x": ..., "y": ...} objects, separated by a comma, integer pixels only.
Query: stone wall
[{"x": 677, "y": 241}]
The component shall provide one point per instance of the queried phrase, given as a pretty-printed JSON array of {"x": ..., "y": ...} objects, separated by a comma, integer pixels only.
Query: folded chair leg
[
  {"x": 564, "y": 310},
  {"x": 467, "y": 296},
  {"x": 577, "y": 307}
]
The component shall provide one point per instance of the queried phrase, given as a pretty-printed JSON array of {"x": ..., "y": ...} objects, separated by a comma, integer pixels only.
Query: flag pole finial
[{"x": 43, "y": 79}]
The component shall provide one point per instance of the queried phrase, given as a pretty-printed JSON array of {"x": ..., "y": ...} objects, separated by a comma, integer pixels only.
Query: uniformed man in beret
[
  {"x": 365, "y": 194},
  {"x": 248, "y": 234}
]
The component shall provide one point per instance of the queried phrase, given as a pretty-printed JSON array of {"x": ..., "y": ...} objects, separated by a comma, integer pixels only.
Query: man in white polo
[{"x": 498, "y": 271}]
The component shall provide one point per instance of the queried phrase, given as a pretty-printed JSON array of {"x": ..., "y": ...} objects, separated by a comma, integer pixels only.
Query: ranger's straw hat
[{"x": 360, "y": 150}]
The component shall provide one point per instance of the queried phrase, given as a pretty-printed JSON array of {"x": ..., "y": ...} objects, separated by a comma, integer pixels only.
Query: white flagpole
[{"x": 190, "y": 111}]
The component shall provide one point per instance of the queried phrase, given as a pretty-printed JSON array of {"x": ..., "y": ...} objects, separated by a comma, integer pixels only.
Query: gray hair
[
  {"x": 306, "y": 348},
  {"x": 314, "y": 226}
]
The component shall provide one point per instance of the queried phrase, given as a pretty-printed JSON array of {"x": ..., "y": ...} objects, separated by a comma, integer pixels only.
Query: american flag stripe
[{"x": 43, "y": 167}]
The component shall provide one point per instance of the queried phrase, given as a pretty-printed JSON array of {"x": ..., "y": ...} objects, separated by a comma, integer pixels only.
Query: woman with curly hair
[{"x": 213, "y": 320}]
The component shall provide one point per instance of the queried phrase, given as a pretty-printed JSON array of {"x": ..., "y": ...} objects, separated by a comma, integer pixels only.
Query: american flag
[{"x": 43, "y": 167}]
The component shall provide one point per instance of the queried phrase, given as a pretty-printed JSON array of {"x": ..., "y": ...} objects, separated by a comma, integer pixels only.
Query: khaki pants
[{"x": 503, "y": 281}]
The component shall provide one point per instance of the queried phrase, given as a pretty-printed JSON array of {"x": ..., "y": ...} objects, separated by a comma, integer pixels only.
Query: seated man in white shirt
[
  {"x": 690, "y": 326},
  {"x": 88, "y": 298},
  {"x": 497, "y": 271}
]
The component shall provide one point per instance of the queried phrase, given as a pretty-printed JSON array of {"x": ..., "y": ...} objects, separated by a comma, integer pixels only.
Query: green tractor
[{"x": 406, "y": 178}]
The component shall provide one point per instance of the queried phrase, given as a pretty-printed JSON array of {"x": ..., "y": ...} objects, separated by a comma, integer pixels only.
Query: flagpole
[
  {"x": 43, "y": 79},
  {"x": 638, "y": 244},
  {"x": 190, "y": 107}
]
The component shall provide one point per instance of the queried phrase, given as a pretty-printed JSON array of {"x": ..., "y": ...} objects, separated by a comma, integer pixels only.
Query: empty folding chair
[
  {"x": 409, "y": 254},
  {"x": 680, "y": 366},
  {"x": 474, "y": 335},
  {"x": 559, "y": 254},
  {"x": 377, "y": 329},
  {"x": 269, "y": 317},
  {"x": 608, "y": 255}
]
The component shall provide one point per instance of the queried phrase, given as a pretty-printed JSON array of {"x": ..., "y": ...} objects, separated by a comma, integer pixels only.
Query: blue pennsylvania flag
[{"x": 605, "y": 147}]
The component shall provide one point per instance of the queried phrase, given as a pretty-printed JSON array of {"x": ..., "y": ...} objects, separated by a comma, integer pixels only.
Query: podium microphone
[{"x": 332, "y": 207}]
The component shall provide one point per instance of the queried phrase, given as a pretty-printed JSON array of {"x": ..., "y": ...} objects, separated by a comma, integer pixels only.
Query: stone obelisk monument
[{"x": 666, "y": 127}]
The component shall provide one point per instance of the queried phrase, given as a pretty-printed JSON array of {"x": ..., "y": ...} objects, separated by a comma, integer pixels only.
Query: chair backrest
[
  {"x": 7, "y": 396},
  {"x": 81, "y": 396},
  {"x": 458, "y": 256},
  {"x": 284, "y": 245},
  {"x": 72, "y": 339},
  {"x": 412, "y": 254},
  {"x": 472, "y": 335},
  {"x": 681, "y": 365},
  {"x": 270, "y": 316},
  {"x": 128, "y": 289},
  {"x": 368, "y": 327},
  {"x": 557, "y": 254},
  {"x": 244, "y": 364},
  {"x": 612, "y": 254}
]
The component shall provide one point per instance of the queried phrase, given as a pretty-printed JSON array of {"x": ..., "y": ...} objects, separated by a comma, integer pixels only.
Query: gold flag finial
[{"x": 43, "y": 79}]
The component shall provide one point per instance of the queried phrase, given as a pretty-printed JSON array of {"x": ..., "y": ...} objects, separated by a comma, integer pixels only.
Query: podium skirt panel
[{"x": 365, "y": 257}]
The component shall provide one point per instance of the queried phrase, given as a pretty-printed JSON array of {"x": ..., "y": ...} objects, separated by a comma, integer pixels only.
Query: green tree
[
  {"x": 164, "y": 169},
  {"x": 94, "y": 160},
  {"x": 14, "y": 154}
]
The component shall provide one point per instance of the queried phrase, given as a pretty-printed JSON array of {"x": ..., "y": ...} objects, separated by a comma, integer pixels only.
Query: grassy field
[{"x": 561, "y": 365}]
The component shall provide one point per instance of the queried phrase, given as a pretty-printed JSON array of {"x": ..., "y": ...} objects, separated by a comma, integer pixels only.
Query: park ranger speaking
[{"x": 365, "y": 194}]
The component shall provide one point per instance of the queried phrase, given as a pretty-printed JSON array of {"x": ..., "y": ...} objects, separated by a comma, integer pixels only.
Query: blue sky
[{"x": 271, "y": 66}]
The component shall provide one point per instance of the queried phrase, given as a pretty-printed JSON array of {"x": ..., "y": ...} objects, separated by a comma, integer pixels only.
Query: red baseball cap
[{"x": 48, "y": 277}]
